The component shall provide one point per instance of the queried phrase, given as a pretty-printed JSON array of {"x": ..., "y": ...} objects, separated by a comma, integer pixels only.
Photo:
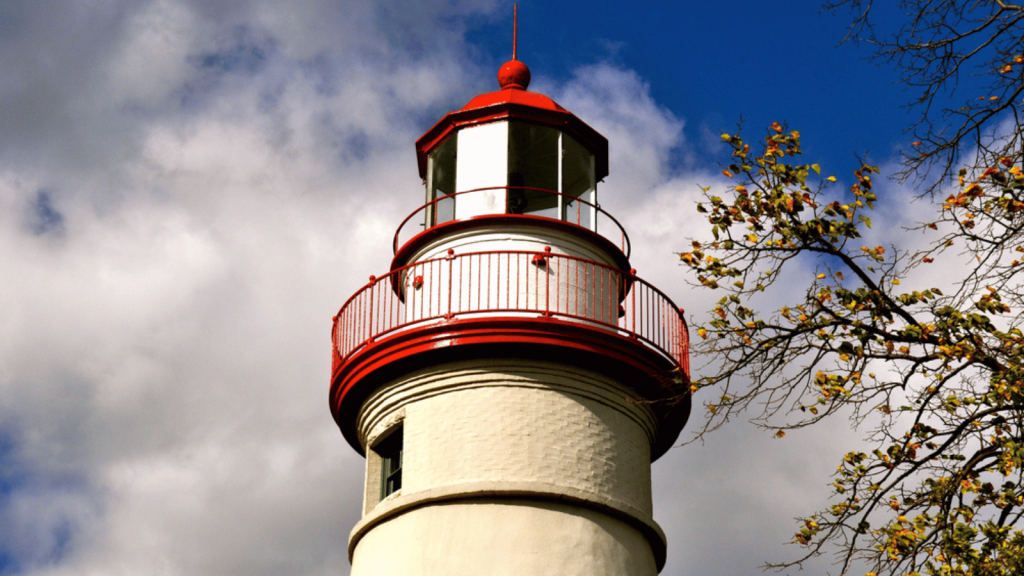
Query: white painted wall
[
  {"x": 503, "y": 538},
  {"x": 565, "y": 445},
  {"x": 482, "y": 163}
]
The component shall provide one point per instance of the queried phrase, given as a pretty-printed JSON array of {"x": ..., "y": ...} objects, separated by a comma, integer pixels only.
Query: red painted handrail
[
  {"x": 519, "y": 284},
  {"x": 622, "y": 242}
]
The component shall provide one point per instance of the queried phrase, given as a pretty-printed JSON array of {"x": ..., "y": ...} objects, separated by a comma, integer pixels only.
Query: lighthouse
[{"x": 510, "y": 378}]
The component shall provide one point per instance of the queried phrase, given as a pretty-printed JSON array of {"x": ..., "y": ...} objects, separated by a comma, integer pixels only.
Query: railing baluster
[
  {"x": 575, "y": 289},
  {"x": 632, "y": 278}
]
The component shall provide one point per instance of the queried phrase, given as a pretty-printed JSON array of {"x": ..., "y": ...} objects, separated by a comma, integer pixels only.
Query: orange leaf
[
  {"x": 727, "y": 173},
  {"x": 780, "y": 434},
  {"x": 777, "y": 127},
  {"x": 916, "y": 144}
]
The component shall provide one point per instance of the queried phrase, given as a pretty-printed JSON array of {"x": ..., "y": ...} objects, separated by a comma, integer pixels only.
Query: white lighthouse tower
[{"x": 503, "y": 378}]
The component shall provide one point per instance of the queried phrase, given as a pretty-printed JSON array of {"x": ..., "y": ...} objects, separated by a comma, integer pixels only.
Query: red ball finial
[{"x": 514, "y": 74}]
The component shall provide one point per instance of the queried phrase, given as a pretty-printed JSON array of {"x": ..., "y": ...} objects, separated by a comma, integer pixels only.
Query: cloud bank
[{"x": 188, "y": 192}]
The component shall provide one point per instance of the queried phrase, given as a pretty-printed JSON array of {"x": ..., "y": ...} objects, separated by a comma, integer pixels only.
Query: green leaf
[{"x": 866, "y": 221}]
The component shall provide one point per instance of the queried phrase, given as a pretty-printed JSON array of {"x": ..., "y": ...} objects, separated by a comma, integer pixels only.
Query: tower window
[
  {"x": 441, "y": 182},
  {"x": 390, "y": 451}
]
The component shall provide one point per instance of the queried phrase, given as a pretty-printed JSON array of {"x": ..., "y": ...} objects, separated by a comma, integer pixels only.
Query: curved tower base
[{"x": 503, "y": 538}]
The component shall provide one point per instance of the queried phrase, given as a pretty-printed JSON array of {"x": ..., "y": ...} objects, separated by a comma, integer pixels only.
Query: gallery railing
[{"x": 519, "y": 284}]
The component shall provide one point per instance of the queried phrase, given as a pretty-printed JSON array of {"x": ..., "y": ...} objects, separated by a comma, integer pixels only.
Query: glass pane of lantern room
[
  {"x": 578, "y": 181},
  {"x": 532, "y": 164},
  {"x": 441, "y": 182},
  {"x": 482, "y": 166}
]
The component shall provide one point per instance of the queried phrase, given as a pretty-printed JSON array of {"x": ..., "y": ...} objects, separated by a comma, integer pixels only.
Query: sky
[{"x": 189, "y": 191}]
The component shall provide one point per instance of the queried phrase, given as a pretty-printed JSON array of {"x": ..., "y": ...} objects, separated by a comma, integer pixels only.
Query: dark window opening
[
  {"x": 533, "y": 155},
  {"x": 577, "y": 181},
  {"x": 390, "y": 451},
  {"x": 441, "y": 182}
]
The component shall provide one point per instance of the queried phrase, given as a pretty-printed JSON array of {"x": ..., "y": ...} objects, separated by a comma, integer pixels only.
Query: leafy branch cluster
[
  {"x": 939, "y": 44},
  {"x": 937, "y": 373}
]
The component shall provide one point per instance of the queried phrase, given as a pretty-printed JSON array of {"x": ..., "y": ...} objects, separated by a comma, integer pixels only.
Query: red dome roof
[
  {"x": 513, "y": 101},
  {"x": 513, "y": 96}
]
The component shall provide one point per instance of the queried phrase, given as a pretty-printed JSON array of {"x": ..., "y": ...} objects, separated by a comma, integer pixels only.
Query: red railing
[
  {"x": 563, "y": 207},
  {"x": 511, "y": 283}
]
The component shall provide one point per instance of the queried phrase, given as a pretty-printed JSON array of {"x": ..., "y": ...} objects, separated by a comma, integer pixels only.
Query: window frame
[{"x": 390, "y": 450}]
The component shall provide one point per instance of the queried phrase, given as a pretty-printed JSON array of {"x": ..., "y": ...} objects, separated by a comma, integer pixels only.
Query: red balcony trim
[{"x": 650, "y": 374}]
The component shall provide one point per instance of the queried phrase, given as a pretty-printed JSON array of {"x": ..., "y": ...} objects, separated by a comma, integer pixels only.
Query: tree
[
  {"x": 937, "y": 374},
  {"x": 939, "y": 44},
  {"x": 934, "y": 374}
]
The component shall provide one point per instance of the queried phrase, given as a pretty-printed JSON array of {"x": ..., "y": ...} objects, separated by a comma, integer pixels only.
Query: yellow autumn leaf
[
  {"x": 702, "y": 333},
  {"x": 831, "y": 178},
  {"x": 896, "y": 281},
  {"x": 820, "y": 276},
  {"x": 752, "y": 238},
  {"x": 780, "y": 434}
]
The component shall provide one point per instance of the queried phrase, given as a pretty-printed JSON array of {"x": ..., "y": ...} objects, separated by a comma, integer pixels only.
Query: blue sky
[
  {"x": 714, "y": 63},
  {"x": 189, "y": 190}
]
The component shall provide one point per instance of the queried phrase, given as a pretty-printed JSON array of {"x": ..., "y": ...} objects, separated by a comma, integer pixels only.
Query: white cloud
[
  {"x": 151, "y": 57},
  {"x": 227, "y": 174}
]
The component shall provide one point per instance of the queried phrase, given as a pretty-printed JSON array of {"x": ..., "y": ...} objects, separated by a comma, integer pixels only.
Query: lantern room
[{"x": 512, "y": 152}]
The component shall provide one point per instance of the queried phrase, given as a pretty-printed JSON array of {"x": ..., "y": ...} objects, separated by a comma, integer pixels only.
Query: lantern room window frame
[{"x": 520, "y": 187}]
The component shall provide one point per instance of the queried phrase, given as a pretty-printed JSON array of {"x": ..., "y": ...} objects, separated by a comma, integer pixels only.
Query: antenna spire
[
  {"x": 513, "y": 74},
  {"x": 515, "y": 28}
]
